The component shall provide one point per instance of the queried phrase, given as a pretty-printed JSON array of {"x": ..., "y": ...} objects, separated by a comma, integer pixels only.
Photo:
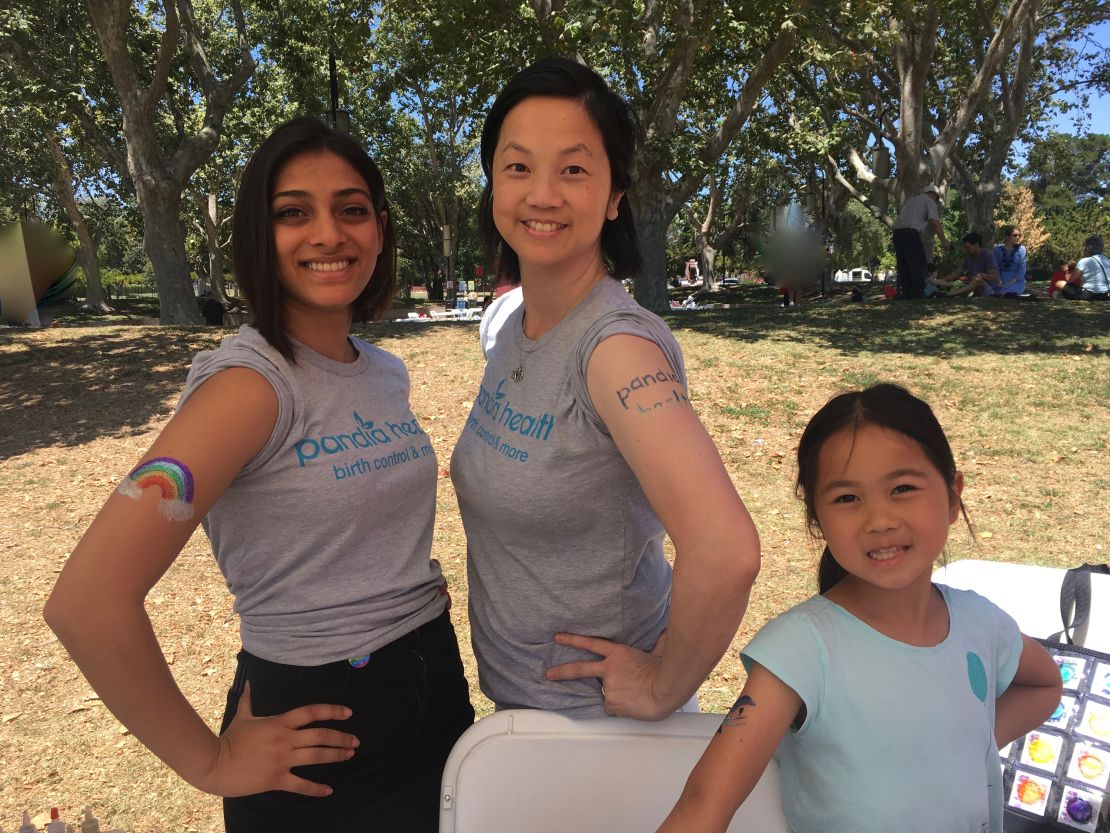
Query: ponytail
[{"x": 829, "y": 572}]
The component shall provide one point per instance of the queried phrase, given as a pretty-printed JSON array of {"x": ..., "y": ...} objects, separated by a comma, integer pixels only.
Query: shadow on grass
[
  {"x": 941, "y": 328},
  {"x": 63, "y": 387}
]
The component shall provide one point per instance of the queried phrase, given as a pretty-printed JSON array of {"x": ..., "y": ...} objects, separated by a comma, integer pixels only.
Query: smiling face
[
  {"x": 883, "y": 507},
  {"x": 327, "y": 236},
  {"x": 552, "y": 189}
]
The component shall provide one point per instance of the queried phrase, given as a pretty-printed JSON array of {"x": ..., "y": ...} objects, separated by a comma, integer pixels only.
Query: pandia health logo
[{"x": 365, "y": 434}]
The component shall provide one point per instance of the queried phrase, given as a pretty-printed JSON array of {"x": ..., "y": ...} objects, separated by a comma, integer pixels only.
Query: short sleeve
[
  {"x": 632, "y": 320},
  {"x": 790, "y": 648},
  {"x": 1005, "y": 637},
  {"x": 236, "y": 351},
  {"x": 1008, "y": 647},
  {"x": 931, "y": 210}
]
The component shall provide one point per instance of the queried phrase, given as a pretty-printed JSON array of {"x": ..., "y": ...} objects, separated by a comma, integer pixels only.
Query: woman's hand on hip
[
  {"x": 629, "y": 676},
  {"x": 256, "y": 754}
]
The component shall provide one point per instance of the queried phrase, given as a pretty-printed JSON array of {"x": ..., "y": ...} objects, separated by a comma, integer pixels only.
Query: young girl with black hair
[
  {"x": 885, "y": 697},
  {"x": 295, "y": 445}
]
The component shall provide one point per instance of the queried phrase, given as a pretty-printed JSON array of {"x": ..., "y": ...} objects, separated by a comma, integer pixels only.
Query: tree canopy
[{"x": 148, "y": 109}]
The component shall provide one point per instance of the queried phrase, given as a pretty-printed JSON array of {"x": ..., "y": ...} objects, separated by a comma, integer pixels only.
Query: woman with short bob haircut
[
  {"x": 619, "y": 128},
  {"x": 296, "y": 445},
  {"x": 581, "y": 451}
]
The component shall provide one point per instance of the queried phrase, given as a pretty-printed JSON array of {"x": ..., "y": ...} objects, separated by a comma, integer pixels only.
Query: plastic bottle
[
  {"x": 27, "y": 827},
  {"x": 56, "y": 824},
  {"x": 90, "y": 824}
]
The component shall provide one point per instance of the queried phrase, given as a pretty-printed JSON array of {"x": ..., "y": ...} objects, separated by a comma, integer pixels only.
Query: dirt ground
[{"x": 1022, "y": 389}]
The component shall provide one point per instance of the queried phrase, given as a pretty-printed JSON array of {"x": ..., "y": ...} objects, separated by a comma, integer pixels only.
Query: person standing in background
[{"x": 914, "y": 228}]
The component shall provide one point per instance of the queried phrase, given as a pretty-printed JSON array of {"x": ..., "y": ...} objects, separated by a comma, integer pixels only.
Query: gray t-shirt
[
  {"x": 560, "y": 536},
  {"x": 324, "y": 537}
]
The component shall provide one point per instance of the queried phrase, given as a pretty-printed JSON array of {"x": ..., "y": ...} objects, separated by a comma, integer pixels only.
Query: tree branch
[{"x": 166, "y": 51}]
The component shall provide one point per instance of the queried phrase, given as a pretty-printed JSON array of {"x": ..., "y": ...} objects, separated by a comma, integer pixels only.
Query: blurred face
[
  {"x": 552, "y": 189},
  {"x": 1014, "y": 238},
  {"x": 326, "y": 233},
  {"x": 883, "y": 508},
  {"x": 971, "y": 249}
]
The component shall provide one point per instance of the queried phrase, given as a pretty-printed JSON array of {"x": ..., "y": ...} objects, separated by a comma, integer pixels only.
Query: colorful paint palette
[{"x": 1059, "y": 774}]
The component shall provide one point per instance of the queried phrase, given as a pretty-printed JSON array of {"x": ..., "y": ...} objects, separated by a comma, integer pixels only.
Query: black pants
[
  {"x": 912, "y": 261},
  {"x": 410, "y": 702}
]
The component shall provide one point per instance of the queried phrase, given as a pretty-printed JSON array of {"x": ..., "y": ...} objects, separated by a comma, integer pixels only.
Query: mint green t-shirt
[{"x": 896, "y": 737}]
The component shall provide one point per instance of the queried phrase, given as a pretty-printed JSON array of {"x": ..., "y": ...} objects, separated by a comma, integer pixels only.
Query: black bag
[{"x": 1056, "y": 777}]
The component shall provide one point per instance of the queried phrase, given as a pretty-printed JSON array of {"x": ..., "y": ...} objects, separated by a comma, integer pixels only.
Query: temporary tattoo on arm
[
  {"x": 670, "y": 391},
  {"x": 735, "y": 715},
  {"x": 172, "y": 478}
]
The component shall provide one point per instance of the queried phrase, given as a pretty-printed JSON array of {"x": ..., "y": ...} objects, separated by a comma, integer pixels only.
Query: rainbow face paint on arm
[{"x": 171, "y": 477}]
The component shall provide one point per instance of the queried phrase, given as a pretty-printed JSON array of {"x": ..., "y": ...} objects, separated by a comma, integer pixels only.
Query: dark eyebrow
[
  {"x": 894, "y": 475},
  {"x": 346, "y": 192},
  {"x": 579, "y": 148}
]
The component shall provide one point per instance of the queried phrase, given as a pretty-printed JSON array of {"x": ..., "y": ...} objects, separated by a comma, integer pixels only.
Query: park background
[{"x": 127, "y": 124}]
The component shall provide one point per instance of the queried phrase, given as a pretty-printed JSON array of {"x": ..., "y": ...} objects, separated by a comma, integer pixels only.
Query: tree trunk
[
  {"x": 160, "y": 177},
  {"x": 652, "y": 223},
  {"x": 164, "y": 243},
  {"x": 980, "y": 202},
  {"x": 86, "y": 252},
  {"x": 210, "y": 217}
]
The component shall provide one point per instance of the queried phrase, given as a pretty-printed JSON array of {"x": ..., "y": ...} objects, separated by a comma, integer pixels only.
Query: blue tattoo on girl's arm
[{"x": 735, "y": 715}]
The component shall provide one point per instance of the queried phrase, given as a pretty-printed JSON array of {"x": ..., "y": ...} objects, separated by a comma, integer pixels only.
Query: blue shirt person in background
[{"x": 1012, "y": 261}]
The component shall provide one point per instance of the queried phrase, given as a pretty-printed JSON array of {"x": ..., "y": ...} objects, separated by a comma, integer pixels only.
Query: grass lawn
[{"x": 1023, "y": 390}]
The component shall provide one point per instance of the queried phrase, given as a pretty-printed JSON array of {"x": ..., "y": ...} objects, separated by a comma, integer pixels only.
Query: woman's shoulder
[{"x": 246, "y": 348}]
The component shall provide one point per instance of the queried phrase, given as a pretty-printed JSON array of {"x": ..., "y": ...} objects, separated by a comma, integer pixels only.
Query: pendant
[{"x": 518, "y": 374}]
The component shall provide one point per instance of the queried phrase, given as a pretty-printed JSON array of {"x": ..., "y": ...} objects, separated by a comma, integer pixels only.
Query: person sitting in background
[
  {"x": 1090, "y": 279},
  {"x": 212, "y": 309},
  {"x": 1060, "y": 277},
  {"x": 979, "y": 270},
  {"x": 1012, "y": 259}
]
